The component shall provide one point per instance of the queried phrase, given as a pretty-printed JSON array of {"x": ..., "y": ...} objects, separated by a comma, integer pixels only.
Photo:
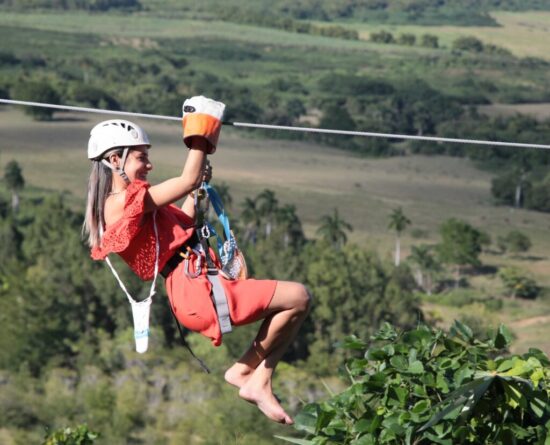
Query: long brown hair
[{"x": 99, "y": 187}]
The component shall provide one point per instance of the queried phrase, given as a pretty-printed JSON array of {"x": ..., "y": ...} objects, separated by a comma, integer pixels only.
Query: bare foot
[
  {"x": 238, "y": 374},
  {"x": 265, "y": 400}
]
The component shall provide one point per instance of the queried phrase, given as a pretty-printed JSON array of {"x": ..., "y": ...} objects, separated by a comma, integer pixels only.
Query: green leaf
[
  {"x": 503, "y": 337},
  {"x": 519, "y": 368},
  {"x": 362, "y": 426},
  {"x": 367, "y": 439},
  {"x": 306, "y": 419},
  {"x": 416, "y": 367},
  {"x": 376, "y": 354},
  {"x": 386, "y": 332},
  {"x": 441, "y": 383},
  {"x": 538, "y": 403},
  {"x": 400, "y": 363},
  {"x": 462, "y": 330},
  {"x": 354, "y": 343},
  {"x": 505, "y": 365},
  {"x": 296, "y": 441},
  {"x": 436, "y": 439},
  {"x": 398, "y": 393},
  {"x": 421, "y": 407},
  {"x": 472, "y": 390},
  {"x": 463, "y": 373},
  {"x": 514, "y": 396}
]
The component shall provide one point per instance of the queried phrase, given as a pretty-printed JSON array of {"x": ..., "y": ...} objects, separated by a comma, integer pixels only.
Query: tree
[
  {"x": 354, "y": 294},
  {"x": 429, "y": 41},
  {"x": 267, "y": 206},
  {"x": 460, "y": 245},
  {"x": 291, "y": 225},
  {"x": 382, "y": 37},
  {"x": 406, "y": 39},
  {"x": 514, "y": 242},
  {"x": 37, "y": 92},
  {"x": 398, "y": 222},
  {"x": 15, "y": 182},
  {"x": 333, "y": 229},
  {"x": 422, "y": 256},
  {"x": 251, "y": 217},
  {"x": 468, "y": 43}
]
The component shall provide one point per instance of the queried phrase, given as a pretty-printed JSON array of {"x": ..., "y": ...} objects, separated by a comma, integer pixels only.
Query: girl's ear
[{"x": 114, "y": 159}]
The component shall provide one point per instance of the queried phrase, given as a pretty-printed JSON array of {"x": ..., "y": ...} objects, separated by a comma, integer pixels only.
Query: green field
[{"x": 525, "y": 34}]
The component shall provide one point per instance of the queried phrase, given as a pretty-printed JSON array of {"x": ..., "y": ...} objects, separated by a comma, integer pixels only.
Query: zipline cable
[{"x": 283, "y": 127}]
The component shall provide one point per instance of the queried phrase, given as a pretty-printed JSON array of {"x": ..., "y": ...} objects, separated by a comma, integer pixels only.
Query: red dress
[{"x": 133, "y": 238}]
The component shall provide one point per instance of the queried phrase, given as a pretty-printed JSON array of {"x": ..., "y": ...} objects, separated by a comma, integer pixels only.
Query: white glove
[{"x": 202, "y": 117}]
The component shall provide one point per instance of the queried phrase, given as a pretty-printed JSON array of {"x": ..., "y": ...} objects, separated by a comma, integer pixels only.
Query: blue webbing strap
[{"x": 226, "y": 254}]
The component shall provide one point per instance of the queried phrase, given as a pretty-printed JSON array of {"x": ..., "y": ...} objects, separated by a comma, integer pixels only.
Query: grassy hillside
[{"x": 523, "y": 33}]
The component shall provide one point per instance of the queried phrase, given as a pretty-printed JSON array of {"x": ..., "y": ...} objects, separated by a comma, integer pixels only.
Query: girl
[{"x": 119, "y": 218}]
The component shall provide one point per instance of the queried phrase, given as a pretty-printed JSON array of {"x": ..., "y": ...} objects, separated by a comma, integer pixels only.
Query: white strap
[{"x": 153, "y": 284}]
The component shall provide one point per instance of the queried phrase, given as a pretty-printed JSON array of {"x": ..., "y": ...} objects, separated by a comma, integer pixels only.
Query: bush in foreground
[{"x": 425, "y": 386}]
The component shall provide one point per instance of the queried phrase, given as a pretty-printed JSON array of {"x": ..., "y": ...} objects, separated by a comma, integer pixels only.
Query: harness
[{"x": 195, "y": 247}]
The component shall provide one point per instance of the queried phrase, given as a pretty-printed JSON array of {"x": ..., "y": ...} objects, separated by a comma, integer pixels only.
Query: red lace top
[{"x": 133, "y": 236}]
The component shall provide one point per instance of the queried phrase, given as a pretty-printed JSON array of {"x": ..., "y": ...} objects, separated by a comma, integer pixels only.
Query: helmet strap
[{"x": 119, "y": 170}]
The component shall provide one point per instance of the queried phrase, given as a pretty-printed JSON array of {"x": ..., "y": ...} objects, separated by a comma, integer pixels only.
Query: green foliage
[
  {"x": 333, "y": 228},
  {"x": 80, "y": 435},
  {"x": 517, "y": 284},
  {"x": 35, "y": 91},
  {"x": 460, "y": 243},
  {"x": 424, "y": 386},
  {"x": 424, "y": 12},
  {"x": 514, "y": 242},
  {"x": 429, "y": 41},
  {"x": 288, "y": 24},
  {"x": 406, "y": 39},
  {"x": 468, "y": 44},
  {"x": 13, "y": 176},
  {"x": 353, "y": 294},
  {"x": 382, "y": 37},
  {"x": 90, "y": 5}
]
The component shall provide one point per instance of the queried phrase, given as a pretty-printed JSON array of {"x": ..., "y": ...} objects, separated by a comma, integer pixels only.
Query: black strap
[
  {"x": 177, "y": 258},
  {"x": 211, "y": 267},
  {"x": 184, "y": 342}
]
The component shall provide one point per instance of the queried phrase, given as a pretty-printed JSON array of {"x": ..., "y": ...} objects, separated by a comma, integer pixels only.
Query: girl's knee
[{"x": 303, "y": 298}]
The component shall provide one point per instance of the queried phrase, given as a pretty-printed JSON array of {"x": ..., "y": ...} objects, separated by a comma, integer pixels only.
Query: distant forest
[{"x": 422, "y": 12}]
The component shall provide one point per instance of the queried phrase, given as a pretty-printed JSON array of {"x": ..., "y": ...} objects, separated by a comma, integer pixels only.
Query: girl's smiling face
[{"x": 137, "y": 164}]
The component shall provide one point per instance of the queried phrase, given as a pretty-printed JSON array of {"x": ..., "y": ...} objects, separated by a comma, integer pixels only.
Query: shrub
[
  {"x": 80, "y": 435},
  {"x": 518, "y": 285},
  {"x": 425, "y": 386},
  {"x": 406, "y": 39},
  {"x": 429, "y": 41},
  {"x": 514, "y": 242},
  {"x": 382, "y": 37},
  {"x": 468, "y": 44}
]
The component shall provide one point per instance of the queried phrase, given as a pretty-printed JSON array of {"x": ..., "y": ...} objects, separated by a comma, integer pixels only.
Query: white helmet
[{"x": 115, "y": 133}]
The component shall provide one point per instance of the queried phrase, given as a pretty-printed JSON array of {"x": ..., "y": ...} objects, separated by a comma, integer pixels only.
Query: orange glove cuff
[{"x": 201, "y": 125}]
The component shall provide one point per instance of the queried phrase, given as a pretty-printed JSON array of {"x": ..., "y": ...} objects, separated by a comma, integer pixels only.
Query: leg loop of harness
[{"x": 218, "y": 294}]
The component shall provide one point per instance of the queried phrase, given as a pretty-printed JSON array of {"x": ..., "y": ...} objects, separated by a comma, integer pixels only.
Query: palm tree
[
  {"x": 267, "y": 206},
  {"x": 251, "y": 217},
  {"x": 398, "y": 222},
  {"x": 288, "y": 220},
  {"x": 14, "y": 182},
  {"x": 333, "y": 229},
  {"x": 225, "y": 196},
  {"x": 427, "y": 265}
]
